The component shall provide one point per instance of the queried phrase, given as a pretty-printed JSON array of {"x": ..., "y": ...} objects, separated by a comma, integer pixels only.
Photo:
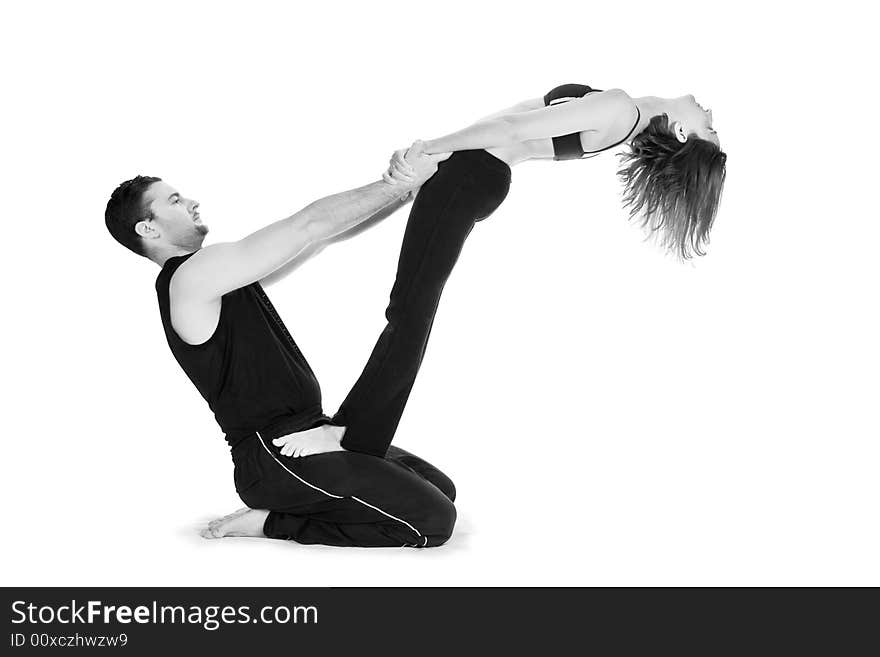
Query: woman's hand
[
  {"x": 413, "y": 166},
  {"x": 427, "y": 148},
  {"x": 399, "y": 170}
]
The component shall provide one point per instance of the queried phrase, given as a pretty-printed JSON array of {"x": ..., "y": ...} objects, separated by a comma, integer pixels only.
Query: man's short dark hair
[{"x": 125, "y": 208}]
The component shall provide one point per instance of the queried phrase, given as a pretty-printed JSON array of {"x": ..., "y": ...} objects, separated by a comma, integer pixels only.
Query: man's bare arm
[
  {"x": 215, "y": 270},
  {"x": 316, "y": 247}
]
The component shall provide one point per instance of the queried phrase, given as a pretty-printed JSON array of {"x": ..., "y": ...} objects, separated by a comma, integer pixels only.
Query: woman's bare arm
[
  {"x": 523, "y": 106},
  {"x": 594, "y": 112}
]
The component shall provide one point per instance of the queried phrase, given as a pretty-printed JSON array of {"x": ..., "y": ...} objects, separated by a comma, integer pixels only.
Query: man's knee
[
  {"x": 444, "y": 483},
  {"x": 441, "y": 521}
]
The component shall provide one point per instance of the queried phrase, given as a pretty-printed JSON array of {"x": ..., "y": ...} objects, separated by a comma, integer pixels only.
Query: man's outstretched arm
[
  {"x": 220, "y": 268},
  {"x": 316, "y": 247}
]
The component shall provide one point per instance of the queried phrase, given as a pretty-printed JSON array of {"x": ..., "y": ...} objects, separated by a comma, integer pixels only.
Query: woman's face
[{"x": 695, "y": 119}]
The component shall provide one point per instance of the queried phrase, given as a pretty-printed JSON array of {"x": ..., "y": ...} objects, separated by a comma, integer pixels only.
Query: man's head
[{"x": 148, "y": 216}]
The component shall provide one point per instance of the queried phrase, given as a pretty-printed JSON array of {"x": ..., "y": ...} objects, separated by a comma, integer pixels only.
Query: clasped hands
[{"x": 412, "y": 166}]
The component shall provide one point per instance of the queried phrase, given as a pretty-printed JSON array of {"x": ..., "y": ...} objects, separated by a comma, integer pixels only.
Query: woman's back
[{"x": 571, "y": 146}]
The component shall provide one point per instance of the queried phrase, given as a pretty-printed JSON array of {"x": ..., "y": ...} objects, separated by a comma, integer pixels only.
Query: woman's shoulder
[
  {"x": 567, "y": 92},
  {"x": 608, "y": 107},
  {"x": 616, "y": 93}
]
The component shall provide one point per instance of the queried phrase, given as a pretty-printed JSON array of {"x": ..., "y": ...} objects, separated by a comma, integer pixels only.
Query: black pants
[{"x": 374, "y": 495}]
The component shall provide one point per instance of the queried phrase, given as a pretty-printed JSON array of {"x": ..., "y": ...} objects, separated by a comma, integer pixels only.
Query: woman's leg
[{"x": 467, "y": 188}]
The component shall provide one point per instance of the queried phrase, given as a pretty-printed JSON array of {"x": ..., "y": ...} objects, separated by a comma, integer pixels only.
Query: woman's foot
[
  {"x": 319, "y": 440},
  {"x": 244, "y": 522}
]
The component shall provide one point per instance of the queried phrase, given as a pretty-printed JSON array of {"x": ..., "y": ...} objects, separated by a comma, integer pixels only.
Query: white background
[{"x": 611, "y": 417}]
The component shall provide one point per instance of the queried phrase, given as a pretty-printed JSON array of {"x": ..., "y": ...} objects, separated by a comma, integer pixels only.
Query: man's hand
[
  {"x": 320, "y": 440},
  {"x": 412, "y": 167}
]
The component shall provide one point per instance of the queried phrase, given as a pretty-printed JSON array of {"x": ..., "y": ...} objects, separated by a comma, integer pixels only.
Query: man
[{"x": 353, "y": 489}]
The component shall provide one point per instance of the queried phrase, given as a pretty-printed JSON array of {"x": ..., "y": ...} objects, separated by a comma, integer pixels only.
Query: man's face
[{"x": 175, "y": 219}]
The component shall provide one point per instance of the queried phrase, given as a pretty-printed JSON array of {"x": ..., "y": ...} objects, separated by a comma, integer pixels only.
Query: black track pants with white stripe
[
  {"x": 347, "y": 499},
  {"x": 374, "y": 495}
]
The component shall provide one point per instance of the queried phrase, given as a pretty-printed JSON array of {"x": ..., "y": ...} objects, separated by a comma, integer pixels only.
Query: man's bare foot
[
  {"x": 244, "y": 522},
  {"x": 326, "y": 438}
]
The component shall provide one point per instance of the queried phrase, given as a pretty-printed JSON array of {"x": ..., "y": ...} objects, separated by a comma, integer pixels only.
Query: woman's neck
[{"x": 651, "y": 106}]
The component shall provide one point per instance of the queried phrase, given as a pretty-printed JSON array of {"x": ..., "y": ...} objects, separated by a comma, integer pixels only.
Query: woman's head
[
  {"x": 673, "y": 176},
  {"x": 687, "y": 117}
]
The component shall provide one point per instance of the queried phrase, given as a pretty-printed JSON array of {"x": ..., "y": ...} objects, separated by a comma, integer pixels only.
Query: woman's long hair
[{"x": 676, "y": 187}]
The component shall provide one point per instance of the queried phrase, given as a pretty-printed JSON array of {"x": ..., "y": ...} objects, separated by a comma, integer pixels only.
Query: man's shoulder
[
  {"x": 170, "y": 268},
  {"x": 194, "y": 274}
]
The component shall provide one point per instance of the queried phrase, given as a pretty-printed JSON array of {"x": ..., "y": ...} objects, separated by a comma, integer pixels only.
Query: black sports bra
[{"x": 568, "y": 147}]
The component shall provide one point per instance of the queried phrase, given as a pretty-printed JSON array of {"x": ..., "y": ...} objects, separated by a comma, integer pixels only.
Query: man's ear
[
  {"x": 679, "y": 131},
  {"x": 145, "y": 230}
]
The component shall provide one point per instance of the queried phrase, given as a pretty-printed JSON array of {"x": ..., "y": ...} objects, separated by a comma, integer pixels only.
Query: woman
[{"x": 675, "y": 172}]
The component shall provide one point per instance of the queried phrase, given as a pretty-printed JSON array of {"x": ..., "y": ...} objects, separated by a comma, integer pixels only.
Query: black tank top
[
  {"x": 250, "y": 370},
  {"x": 568, "y": 147}
]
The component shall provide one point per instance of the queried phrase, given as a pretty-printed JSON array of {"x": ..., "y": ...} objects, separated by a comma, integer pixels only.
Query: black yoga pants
[{"x": 374, "y": 495}]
